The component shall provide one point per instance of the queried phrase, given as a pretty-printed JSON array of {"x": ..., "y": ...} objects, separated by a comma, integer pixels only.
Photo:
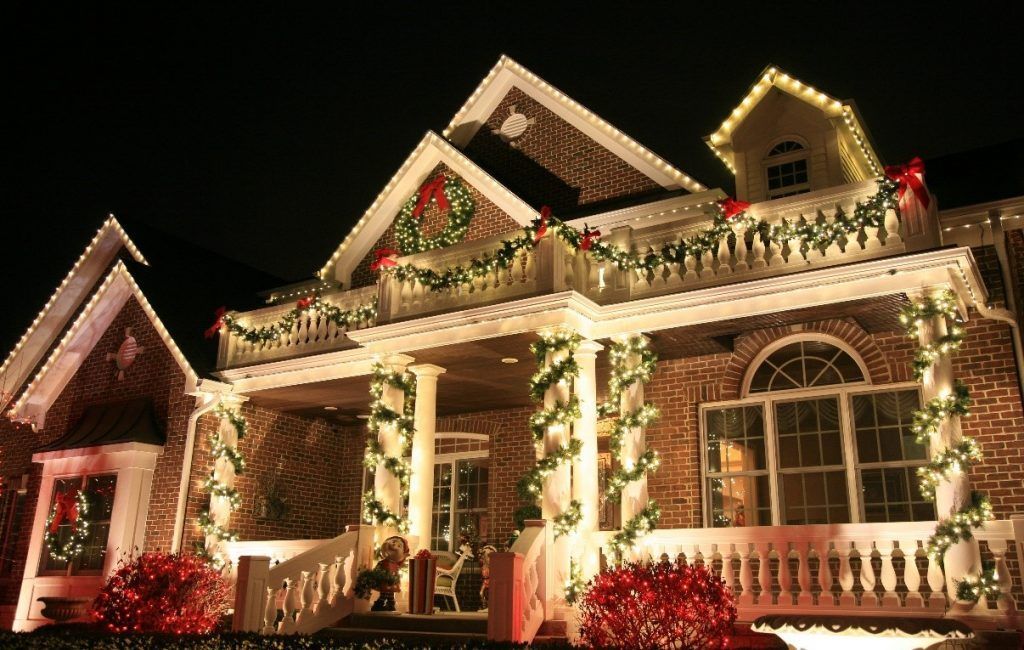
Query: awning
[{"x": 113, "y": 423}]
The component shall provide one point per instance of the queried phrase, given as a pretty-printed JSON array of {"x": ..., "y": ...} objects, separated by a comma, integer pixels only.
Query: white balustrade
[{"x": 519, "y": 600}]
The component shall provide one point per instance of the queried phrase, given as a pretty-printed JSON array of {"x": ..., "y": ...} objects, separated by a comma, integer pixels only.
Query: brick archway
[{"x": 750, "y": 344}]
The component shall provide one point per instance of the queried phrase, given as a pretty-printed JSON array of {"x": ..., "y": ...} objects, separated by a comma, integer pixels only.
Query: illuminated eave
[{"x": 774, "y": 78}]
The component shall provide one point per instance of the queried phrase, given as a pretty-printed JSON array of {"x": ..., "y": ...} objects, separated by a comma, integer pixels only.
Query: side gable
[
  {"x": 417, "y": 168},
  {"x": 488, "y": 220},
  {"x": 588, "y": 153}
]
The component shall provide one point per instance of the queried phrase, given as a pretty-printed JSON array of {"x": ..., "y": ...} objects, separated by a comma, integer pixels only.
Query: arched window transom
[{"x": 805, "y": 364}]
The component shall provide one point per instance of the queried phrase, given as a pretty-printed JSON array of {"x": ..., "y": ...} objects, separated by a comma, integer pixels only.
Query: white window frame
[
  {"x": 453, "y": 459},
  {"x": 780, "y": 159}
]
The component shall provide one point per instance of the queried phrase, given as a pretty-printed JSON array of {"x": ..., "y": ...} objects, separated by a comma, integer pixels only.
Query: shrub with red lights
[
  {"x": 657, "y": 605},
  {"x": 162, "y": 592}
]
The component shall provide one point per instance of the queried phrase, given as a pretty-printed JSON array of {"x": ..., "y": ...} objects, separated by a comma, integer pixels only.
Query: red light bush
[
  {"x": 164, "y": 593},
  {"x": 657, "y": 605}
]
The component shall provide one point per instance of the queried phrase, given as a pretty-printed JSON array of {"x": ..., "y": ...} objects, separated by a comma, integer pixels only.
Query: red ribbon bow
[
  {"x": 542, "y": 227},
  {"x": 588, "y": 239},
  {"x": 383, "y": 258},
  {"x": 218, "y": 322},
  {"x": 304, "y": 303},
  {"x": 66, "y": 508},
  {"x": 910, "y": 175},
  {"x": 434, "y": 188},
  {"x": 731, "y": 207}
]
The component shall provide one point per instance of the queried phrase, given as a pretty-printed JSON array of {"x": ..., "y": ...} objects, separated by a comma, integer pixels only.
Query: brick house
[{"x": 786, "y": 455}]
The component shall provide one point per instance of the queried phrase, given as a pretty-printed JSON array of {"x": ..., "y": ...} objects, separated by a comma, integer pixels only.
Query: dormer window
[{"x": 786, "y": 169}]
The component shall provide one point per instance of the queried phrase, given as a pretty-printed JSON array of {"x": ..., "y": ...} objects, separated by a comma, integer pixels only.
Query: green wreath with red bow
[
  {"x": 451, "y": 196},
  {"x": 71, "y": 507}
]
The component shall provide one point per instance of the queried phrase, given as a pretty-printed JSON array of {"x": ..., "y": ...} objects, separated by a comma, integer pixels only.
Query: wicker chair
[{"x": 447, "y": 580}]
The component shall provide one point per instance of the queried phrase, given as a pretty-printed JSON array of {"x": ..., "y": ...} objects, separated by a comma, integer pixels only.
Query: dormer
[{"x": 786, "y": 138}]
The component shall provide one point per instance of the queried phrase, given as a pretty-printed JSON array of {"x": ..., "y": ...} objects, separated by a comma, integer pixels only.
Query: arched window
[
  {"x": 812, "y": 443},
  {"x": 786, "y": 169}
]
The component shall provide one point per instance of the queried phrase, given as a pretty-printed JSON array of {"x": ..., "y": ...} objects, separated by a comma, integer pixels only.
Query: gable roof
[
  {"x": 430, "y": 151},
  {"x": 507, "y": 73},
  {"x": 844, "y": 112}
]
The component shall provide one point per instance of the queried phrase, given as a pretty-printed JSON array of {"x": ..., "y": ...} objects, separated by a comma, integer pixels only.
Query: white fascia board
[
  {"x": 431, "y": 150},
  {"x": 653, "y": 213}
]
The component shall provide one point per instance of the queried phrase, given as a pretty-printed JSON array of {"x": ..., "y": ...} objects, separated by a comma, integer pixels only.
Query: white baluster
[
  {"x": 796, "y": 258},
  {"x": 338, "y": 580},
  {"x": 892, "y": 228},
  {"x": 803, "y": 576},
  {"x": 307, "y": 595},
  {"x": 291, "y": 604},
  {"x": 741, "y": 250},
  {"x": 833, "y": 250},
  {"x": 888, "y": 575},
  {"x": 746, "y": 576},
  {"x": 270, "y": 612},
  {"x": 847, "y": 599},
  {"x": 727, "y": 573},
  {"x": 1004, "y": 603},
  {"x": 867, "y": 575},
  {"x": 323, "y": 586},
  {"x": 911, "y": 574},
  {"x": 785, "y": 575},
  {"x": 764, "y": 573},
  {"x": 691, "y": 269},
  {"x": 776, "y": 258},
  {"x": 724, "y": 256},
  {"x": 825, "y": 598},
  {"x": 707, "y": 272},
  {"x": 937, "y": 583},
  {"x": 758, "y": 252}
]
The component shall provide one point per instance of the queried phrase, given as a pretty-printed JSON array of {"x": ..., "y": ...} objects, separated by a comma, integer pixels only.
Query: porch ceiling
[{"x": 476, "y": 379}]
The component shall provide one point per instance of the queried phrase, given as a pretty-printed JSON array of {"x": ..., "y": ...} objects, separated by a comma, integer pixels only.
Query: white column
[
  {"x": 386, "y": 487},
  {"x": 557, "y": 490},
  {"x": 421, "y": 489},
  {"x": 634, "y": 495},
  {"x": 584, "y": 471},
  {"x": 950, "y": 495}
]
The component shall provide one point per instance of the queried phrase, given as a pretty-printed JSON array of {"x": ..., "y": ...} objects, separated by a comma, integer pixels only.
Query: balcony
[{"x": 550, "y": 267}]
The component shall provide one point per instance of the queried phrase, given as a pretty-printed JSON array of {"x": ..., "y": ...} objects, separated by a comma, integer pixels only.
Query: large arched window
[
  {"x": 786, "y": 171},
  {"x": 812, "y": 442}
]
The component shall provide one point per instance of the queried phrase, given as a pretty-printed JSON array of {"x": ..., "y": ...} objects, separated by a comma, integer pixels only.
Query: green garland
[
  {"x": 374, "y": 457},
  {"x": 575, "y": 585},
  {"x": 811, "y": 235},
  {"x": 75, "y": 544},
  {"x": 928, "y": 421},
  {"x": 972, "y": 589},
  {"x": 315, "y": 305},
  {"x": 219, "y": 449},
  {"x": 639, "y": 525},
  {"x": 461, "y": 207},
  {"x": 564, "y": 369}
]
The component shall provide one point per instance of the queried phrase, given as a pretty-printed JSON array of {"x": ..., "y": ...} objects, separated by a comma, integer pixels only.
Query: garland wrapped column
[
  {"x": 388, "y": 443},
  {"x": 935, "y": 323},
  {"x": 228, "y": 463},
  {"x": 585, "y": 488}
]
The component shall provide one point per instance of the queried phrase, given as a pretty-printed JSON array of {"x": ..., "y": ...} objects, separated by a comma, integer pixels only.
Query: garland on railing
[
  {"x": 312, "y": 306},
  {"x": 221, "y": 450},
  {"x": 730, "y": 214},
  {"x": 928, "y": 421},
  {"x": 374, "y": 458},
  {"x": 562, "y": 370},
  {"x": 972, "y": 589},
  {"x": 623, "y": 375}
]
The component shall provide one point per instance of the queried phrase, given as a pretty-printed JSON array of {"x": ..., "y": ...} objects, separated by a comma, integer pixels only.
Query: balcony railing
[{"x": 550, "y": 267}]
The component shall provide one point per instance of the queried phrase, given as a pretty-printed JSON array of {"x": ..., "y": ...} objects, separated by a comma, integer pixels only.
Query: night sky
[{"x": 264, "y": 134}]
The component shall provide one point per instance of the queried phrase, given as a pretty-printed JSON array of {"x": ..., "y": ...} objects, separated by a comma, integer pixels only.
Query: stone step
[
  {"x": 447, "y": 623},
  {"x": 364, "y": 635}
]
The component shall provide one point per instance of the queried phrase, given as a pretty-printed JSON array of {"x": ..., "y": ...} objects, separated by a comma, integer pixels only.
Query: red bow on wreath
[
  {"x": 731, "y": 207},
  {"x": 218, "y": 322},
  {"x": 910, "y": 175},
  {"x": 542, "y": 227},
  {"x": 589, "y": 236},
  {"x": 304, "y": 303},
  {"x": 65, "y": 507},
  {"x": 434, "y": 188},
  {"x": 383, "y": 258}
]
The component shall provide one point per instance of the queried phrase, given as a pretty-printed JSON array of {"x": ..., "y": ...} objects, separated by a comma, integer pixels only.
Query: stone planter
[{"x": 61, "y": 609}]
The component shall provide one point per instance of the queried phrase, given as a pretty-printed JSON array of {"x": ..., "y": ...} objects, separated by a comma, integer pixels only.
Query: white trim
[
  {"x": 458, "y": 435},
  {"x": 82, "y": 337},
  {"x": 430, "y": 151},
  {"x": 797, "y": 337},
  {"x": 507, "y": 73}
]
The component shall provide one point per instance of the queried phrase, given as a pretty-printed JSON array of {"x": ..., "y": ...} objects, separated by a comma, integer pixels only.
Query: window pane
[
  {"x": 892, "y": 494},
  {"x": 804, "y": 429},
  {"x": 61, "y": 486},
  {"x": 740, "y": 501},
  {"x": 99, "y": 491},
  {"x": 814, "y": 498},
  {"x": 804, "y": 364},
  {"x": 736, "y": 440},
  {"x": 440, "y": 537}
]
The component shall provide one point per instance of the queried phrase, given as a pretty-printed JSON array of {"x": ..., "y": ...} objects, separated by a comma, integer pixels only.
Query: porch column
[
  {"x": 634, "y": 495},
  {"x": 421, "y": 490},
  {"x": 962, "y": 558},
  {"x": 386, "y": 487},
  {"x": 556, "y": 491},
  {"x": 584, "y": 471}
]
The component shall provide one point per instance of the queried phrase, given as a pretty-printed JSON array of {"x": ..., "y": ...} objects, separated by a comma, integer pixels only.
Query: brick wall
[
  {"x": 553, "y": 163},
  {"x": 154, "y": 374},
  {"x": 488, "y": 220}
]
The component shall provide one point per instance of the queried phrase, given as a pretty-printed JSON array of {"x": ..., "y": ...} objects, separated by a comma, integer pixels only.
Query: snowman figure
[{"x": 394, "y": 551}]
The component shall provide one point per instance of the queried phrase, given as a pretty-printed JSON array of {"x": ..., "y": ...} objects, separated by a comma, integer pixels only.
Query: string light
[
  {"x": 77, "y": 516},
  {"x": 381, "y": 415},
  {"x": 313, "y": 307},
  {"x": 228, "y": 462},
  {"x": 408, "y": 234}
]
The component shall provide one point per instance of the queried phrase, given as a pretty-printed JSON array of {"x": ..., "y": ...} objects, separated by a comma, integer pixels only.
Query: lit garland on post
[
  {"x": 72, "y": 508},
  {"x": 449, "y": 194},
  {"x": 639, "y": 525},
  {"x": 575, "y": 585},
  {"x": 562, "y": 370},
  {"x": 927, "y": 422},
  {"x": 374, "y": 511},
  {"x": 312, "y": 306},
  {"x": 225, "y": 457}
]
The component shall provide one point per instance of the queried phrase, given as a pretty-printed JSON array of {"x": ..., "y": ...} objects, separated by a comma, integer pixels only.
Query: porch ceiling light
[
  {"x": 330, "y": 408},
  {"x": 509, "y": 360}
]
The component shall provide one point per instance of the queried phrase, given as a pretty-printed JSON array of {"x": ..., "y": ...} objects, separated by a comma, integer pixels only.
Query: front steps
[{"x": 449, "y": 627}]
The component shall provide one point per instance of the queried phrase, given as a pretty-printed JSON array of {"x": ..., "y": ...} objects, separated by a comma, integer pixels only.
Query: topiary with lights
[
  {"x": 657, "y": 605},
  {"x": 165, "y": 593}
]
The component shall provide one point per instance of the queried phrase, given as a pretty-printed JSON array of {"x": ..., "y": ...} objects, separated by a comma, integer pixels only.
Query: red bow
[
  {"x": 910, "y": 175},
  {"x": 588, "y": 239},
  {"x": 434, "y": 188},
  {"x": 304, "y": 303},
  {"x": 542, "y": 227},
  {"x": 218, "y": 322},
  {"x": 731, "y": 207},
  {"x": 65, "y": 506},
  {"x": 383, "y": 258}
]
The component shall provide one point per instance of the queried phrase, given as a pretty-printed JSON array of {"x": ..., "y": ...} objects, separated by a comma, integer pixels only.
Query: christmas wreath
[
  {"x": 451, "y": 196},
  {"x": 71, "y": 507}
]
